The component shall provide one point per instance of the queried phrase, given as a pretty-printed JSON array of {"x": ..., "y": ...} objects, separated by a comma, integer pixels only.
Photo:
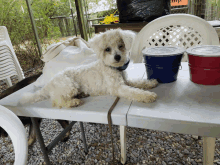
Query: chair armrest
[{"x": 15, "y": 129}]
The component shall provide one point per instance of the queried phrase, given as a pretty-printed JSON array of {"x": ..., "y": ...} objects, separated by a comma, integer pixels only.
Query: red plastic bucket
[{"x": 204, "y": 64}]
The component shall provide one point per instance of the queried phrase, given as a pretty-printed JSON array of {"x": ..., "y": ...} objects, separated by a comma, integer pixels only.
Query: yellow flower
[{"x": 109, "y": 19}]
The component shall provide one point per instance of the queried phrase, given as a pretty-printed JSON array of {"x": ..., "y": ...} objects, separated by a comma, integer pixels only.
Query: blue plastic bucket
[{"x": 162, "y": 63}]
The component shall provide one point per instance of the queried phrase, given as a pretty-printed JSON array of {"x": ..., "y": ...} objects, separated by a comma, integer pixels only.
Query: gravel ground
[{"x": 143, "y": 146}]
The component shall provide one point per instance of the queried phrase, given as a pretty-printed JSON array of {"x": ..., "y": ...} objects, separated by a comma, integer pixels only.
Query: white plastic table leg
[
  {"x": 15, "y": 129},
  {"x": 208, "y": 150},
  {"x": 123, "y": 143}
]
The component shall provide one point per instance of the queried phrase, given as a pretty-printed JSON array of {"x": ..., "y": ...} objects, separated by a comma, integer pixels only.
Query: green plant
[
  {"x": 14, "y": 15},
  {"x": 217, "y": 4},
  {"x": 107, "y": 12}
]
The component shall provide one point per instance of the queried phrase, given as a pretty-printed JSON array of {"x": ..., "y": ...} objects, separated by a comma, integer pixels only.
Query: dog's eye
[
  {"x": 107, "y": 49},
  {"x": 120, "y": 46}
]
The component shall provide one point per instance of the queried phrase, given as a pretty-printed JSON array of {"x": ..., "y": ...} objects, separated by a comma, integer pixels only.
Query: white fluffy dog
[{"x": 98, "y": 78}]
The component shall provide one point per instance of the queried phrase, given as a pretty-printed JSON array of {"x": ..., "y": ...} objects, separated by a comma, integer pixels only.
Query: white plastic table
[
  {"x": 94, "y": 109},
  {"x": 182, "y": 107}
]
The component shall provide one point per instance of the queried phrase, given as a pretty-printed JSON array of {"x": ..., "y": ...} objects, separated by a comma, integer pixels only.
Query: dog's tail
[{"x": 30, "y": 98}]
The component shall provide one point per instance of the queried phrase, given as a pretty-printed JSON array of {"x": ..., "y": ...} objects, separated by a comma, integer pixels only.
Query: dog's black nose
[{"x": 117, "y": 57}]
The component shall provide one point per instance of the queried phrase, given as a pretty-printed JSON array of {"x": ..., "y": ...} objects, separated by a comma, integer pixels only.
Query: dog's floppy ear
[
  {"x": 128, "y": 37},
  {"x": 96, "y": 43}
]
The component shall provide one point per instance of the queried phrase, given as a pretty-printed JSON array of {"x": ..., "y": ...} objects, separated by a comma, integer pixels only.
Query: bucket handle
[{"x": 180, "y": 67}]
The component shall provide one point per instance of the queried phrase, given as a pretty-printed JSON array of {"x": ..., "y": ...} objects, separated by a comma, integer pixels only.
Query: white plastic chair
[
  {"x": 182, "y": 30},
  {"x": 15, "y": 129},
  {"x": 9, "y": 65}
]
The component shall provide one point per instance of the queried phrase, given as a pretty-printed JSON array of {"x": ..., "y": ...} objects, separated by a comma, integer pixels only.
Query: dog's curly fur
[{"x": 98, "y": 78}]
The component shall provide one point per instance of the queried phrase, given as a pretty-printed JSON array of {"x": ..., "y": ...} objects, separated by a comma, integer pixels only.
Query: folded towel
[
  {"x": 54, "y": 49},
  {"x": 70, "y": 53}
]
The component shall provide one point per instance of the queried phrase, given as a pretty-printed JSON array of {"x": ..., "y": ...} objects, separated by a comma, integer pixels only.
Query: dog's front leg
[
  {"x": 139, "y": 83},
  {"x": 135, "y": 94},
  {"x": 142, "y": 83}
]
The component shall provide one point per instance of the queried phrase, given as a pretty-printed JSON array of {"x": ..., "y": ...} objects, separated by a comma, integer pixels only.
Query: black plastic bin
[{"x": 142, "y": 10}]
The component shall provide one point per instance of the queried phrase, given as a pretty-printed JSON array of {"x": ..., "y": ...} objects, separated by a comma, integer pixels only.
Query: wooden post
[
  {"x": 73, "y": 22},
  {"x": 202, "y": 9},
  {"x": 67, "y": 27},
  {"x": 208, "y": 150},
  {"x": 80, "y": 17},
  {"x": 87, "y": 23},
  {"x": 123, "y": 143},
  {"x": 192, "y": 7},
  {"x": 189, "y": 7},
  {"x": 34, "y": 28},
  {"x": 64, "y": 27},
  {"x": 60, "y": 26}
]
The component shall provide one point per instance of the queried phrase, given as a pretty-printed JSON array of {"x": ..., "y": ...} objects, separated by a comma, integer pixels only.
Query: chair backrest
[
  {"x": 9, "y": 64},
  {"x": 15, "y": 129},
  {"x": 182, "y": 30}
]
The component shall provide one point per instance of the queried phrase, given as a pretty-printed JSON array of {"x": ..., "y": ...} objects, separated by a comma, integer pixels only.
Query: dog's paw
[
  {"x": 74, "y": 103},
  {"x": 151, "y": 97},
  {"x": 150, "y": 84},
  {"x": 68, "y": 104},
  {"x": 153, "y": 83}
]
